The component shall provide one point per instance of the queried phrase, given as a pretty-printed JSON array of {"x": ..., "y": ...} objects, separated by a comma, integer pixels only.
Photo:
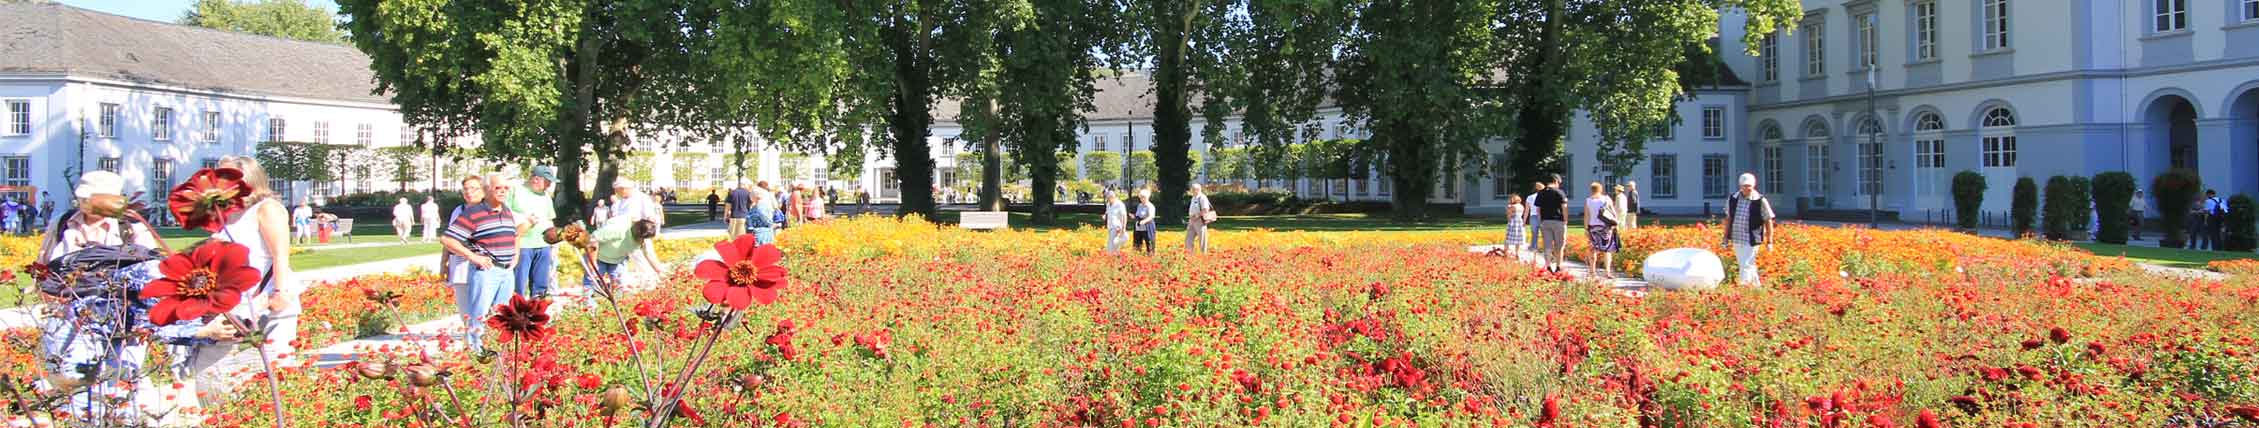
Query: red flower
[
  {"x": 2249, "y": 413},
  {"x": 1551, "y": 412},
  {"x": 209, "y": 198},
  {"x": 522, "y": 318},
  {"x": 209, "y": 279},
  {"x": 38, "y": 271},
  {"x": 746, "y": 273},
  {"x": 363, "y": 403},
  {"x": 2059, "y": 335},
  {"x": 1927, "y": 419}
]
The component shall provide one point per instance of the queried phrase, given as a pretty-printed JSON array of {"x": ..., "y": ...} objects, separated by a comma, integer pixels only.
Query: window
[
  {"x": 1771, "y": 63},
  {"x": 1925, "y": 31},
  {"x": 321, "y": 132},
  {"x": 1929, "y": 121},
  {"x": 161, "y": 124},
  {"x": 1663, "y": 176},
  {"x": 1999, "y": 138},
  {"x": 275, "y": 129},
  {"x": 109, "y": 125},
  {"x": 1815, "y": 50},
  {"x": 15, "y": 170},
  {"x": 1998, "y": 117},
  {"x": 1867, "y": 41},
  {"x": 1772, "y": 133},
  {"x": 1870, "y": 157},
  {"x": 1929, "y": 147},
  {"x": 108, "y": 163},
  {"x": 1816, "y": 170},
  {"x": 19, "y": 117},
  {"x": 2251, "y": 10},
  {"x": 162, "y": 172},
  {"x": 1100, "y": 143},
  {"x": 1667, "y": 131},
  {"x": 1500, "y": 186},
  {"x": 1714, "y": 122},
  {"x": 1995, "y": 24},
  {"x": 365, "y": 135},
  {"x": 2172, "y": 15},
  {"x": 1773, "y": 168},
  {"x": 211, "y": 127},
  {"x": 208, "y": 163},
  {"x": 1714, "y": 176}
]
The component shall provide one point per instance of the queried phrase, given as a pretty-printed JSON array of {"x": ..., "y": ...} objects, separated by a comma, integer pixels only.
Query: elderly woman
[{"x": 98, "y": 258}]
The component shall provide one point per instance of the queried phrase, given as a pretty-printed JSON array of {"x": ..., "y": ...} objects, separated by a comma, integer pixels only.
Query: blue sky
[{"x": 161, "y": 10}]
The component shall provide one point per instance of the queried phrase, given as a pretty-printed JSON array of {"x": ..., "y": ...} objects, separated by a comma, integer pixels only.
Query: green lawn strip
[
  {"x": 2169, "y": 257},
  {"x": 320, "y": 258}
]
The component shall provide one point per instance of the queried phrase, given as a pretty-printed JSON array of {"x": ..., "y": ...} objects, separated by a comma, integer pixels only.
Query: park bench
[
  {"x": 344, "y": 229},
  {"x": 984, "y": 220}
]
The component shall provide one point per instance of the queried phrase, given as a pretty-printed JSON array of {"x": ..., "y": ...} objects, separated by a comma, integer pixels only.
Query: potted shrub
[
  {"x": 2055, "y": 209},
  {"x": 1968, "y": 199}
]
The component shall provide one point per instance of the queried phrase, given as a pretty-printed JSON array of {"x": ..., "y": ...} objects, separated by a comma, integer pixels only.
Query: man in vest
[{"x": 1749, "y": 223}]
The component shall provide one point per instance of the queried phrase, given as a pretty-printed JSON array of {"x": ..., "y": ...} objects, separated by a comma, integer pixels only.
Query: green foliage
[
  {"x": 2065, "y": 209},
  {"x": 2175, "y": 190},
  {"x": 636, "y": 166},
  {"x": 2242, "y": 225},
  {"x": 2111, "y": 191},
  {"x": 1102, "y": 166},
  {"x": 685, "y": 167},
  {"x": 1968, "y": 198},
  {"x": 2024, "y": 206},
  {"x": 403, "y": 162},
  {"x": 1227, "y": 164},
  {"x": 289, "y": 19},
  {"x": 1142, "y": 168}
]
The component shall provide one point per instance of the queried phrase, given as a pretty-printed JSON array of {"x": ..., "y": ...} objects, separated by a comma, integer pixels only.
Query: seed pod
[
  {"x": 423, "y": 376},
  {"x": 613, "y": 400},
  {"x": 375, "y": 370}
]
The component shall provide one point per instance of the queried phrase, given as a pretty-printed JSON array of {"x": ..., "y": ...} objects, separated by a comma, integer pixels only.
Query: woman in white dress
[{"x": 1117, "y": 222}]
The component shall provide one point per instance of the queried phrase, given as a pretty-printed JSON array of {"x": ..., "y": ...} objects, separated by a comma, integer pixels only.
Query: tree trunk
[
  {"x": 580, "y": 131},
  {"x": 1172, "y": 120},
  {"x": 1543, "y": 117},
  {"x": 1413, "y": 170},
  {"x": 913, "y": 160},
  {"x": 991, "y": 168}
]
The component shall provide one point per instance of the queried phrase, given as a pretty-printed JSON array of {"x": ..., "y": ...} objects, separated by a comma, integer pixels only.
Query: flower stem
[
  {"x": 666, "y": 410},
  {"x": 457, "y": 402},
  {"x": 607, "y": 287},
  {"x": 274, "y": 386}
]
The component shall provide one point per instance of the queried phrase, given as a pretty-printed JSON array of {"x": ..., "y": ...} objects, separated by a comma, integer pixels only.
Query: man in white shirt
[
  {"x": 431, "y": 218},
  {"x": 633, "y": 205},
  {"x": 303, "y": 218}
]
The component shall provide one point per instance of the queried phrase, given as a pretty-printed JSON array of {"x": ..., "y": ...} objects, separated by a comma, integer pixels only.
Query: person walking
[
  {"x": 11, "y": 215},
  {"x": 740, "y": 207},
  {"x": 536, "y": 212},
  {"x": 1553, "y": 225},
  {"x": 1621, "y": 202},
  {"x": 714, "y": 207},
  {"x": 2198, "y": 232},
  {"x": 1198, "y": 213},
  {"x": 1631, "y": 203},
  {"x": 46, "y": 212},
  {"x": 1600, "y": 231},
  {"x": 1117, "y": 223},
  {"x": 1530, "y": 218},
  {"x": 811, "y": 203},
  {"x": 1146, "y": 229},
  {"x": 483, "y": 234},
  {"x": 302, "y": 221},
  {"x": 760, "y": 218},
  {"x": 1749, "y": 225},
  {"x": 2134, "y": 208},
  {"x": 1517, "y": 226},
  {"x": 429, "y": 213},
  {"x": 403, "y": 219},
  {"x": 2215, "y": 219},
  {"x": 602, "y": 212}
]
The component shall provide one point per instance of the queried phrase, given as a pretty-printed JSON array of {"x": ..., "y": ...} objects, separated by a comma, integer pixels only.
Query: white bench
[{"x": 984, "y": 220}]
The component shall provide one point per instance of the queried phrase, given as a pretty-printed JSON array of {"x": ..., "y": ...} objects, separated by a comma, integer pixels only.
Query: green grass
[
  {"x": 320, "y": 258},
  {"x": 2169, "y": 257},
  {"x": 13, "y": 295}
]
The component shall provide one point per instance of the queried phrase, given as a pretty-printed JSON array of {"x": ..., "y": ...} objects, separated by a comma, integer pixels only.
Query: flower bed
[
  {"x": 899, "y": 324},
  {"x": 1801, "y": 254}
]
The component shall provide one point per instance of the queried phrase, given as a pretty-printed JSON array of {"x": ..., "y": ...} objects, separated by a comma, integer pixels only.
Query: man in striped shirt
[{"x": 484, "y": 233}]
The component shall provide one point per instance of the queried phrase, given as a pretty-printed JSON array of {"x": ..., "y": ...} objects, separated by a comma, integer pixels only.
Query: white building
[
  {"x": 152, "y": 101},
  {"x": 2008, "y": 88}
]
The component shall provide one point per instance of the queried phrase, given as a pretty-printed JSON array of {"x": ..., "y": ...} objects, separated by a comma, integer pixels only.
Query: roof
[
  {"x": 1128, "y": 96},
  {"x": 52, "y": 38}
]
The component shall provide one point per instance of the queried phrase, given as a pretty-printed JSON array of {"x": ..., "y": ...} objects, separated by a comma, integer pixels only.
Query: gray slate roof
[
  {"x": 1128, "y": 96},
  {"x": 52, "y": 38}
]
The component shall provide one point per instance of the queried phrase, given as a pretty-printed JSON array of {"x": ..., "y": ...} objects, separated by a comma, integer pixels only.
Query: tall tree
[
  {"x": 1264, "y": 60},
  {"x": 1619, "y": 60},
  {"x": 1047, "y": 55},
  {"x": 550, "y": 81},
  {"x": 289, "y": 19}
]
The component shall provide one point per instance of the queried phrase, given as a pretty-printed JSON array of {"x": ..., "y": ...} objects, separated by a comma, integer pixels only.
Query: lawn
[{"x": 2170, "y": 257}]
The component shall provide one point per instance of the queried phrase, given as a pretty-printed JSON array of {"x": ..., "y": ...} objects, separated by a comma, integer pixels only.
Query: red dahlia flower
[
  {"x": 746, "y": 273},
  {"x": 522, "y": 318},
  {"x": 209, "y": 198},
  {"x": 208, "y": 279}
]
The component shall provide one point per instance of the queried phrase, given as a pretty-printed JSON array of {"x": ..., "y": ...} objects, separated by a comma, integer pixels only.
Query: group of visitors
[
  {"x": 1537, "y": 225},
  {"x": 22, "y": 217},
  {"x": 763, "y": 210},
  {"x": 498, "y": 243},
  {"x": 1138, "y": 226}
]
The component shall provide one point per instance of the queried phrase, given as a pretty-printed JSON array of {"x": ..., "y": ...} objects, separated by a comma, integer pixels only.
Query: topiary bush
[
  {"x": 2080, "y": 212},
  {"x": 2024, "y": 206},
  {"x": 2055, "y": 209},
  {"x": 2174, "y": 190},
  {"x": 1968, "y": 199},
  {"x": 2242, "y": 225},
  {"x": 2111, "y": 191}
]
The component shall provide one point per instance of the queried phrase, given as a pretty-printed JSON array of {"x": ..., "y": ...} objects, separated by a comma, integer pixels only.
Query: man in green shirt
[
  {"x": 536, "y": 214},
  {"x": 616, "y": 242}
]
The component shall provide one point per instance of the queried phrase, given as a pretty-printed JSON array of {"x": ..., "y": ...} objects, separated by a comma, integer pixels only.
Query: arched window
[
  {"x": 1929, "y": 121},
  {"x": 1999, "y": 138},
  {"x": 1816, "y": 165},
  {"x": 1999, "y": 116},
  {"x": 1772, "y": 133},
  {"x": 1815, "y": 129}
]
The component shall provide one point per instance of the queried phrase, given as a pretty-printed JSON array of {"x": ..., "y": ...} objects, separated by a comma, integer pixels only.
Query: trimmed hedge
[
  {"x": 2055, "y": 209},
  {"x": 2024, "y": 207},
  {"x": 2175, "y": 190},
  {"x": 2242, "y": 225},
  {"x": 1968, "y": 198},
  {"x": 2111, "y": 191}
]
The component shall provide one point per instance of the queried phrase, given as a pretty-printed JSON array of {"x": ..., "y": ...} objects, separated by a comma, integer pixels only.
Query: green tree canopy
[
  {"x": 289, "y": 19},
  {"x": 1102, "y": 166}
]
